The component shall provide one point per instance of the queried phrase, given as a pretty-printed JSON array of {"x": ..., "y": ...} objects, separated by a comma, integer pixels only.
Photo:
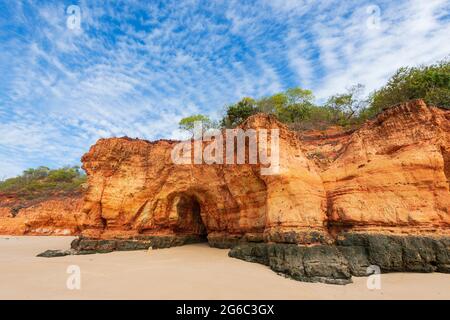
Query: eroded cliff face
[
  {"x": 391, "y": 175},
  {"x": 54, "y": 215},
  {"x": 341, "y": 202},
  {"x": 135, "y": 188}
]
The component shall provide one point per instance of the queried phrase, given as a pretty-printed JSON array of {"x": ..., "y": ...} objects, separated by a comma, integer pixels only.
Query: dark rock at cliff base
[
  {"x": 224, "y": 242},
  {"x": 357, "y": 258},
  {"x": 251, "y": 252},
  {"x": 142, "y": 242},
  {"x": 228, "y": 241},
  {"x": 294, "y": 237},
  {"x": 55, "y": 253},
  {"x": 394, "y": 253},
  {"x": 311, "y": 264},
  {"x": 326, "y": 264},
  {"x": 353, "y": 254},
  {"x": 83, "y": 246}
]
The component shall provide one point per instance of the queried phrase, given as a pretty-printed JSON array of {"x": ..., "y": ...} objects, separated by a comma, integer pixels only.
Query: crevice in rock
[{"x": 446, "y": 157}]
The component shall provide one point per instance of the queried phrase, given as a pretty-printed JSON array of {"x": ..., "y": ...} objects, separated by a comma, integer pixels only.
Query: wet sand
[{"x": 189, "y": 272}]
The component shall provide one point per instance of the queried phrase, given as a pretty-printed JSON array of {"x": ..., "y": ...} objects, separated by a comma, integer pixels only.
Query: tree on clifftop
[
  {"x": 189, "y": 122},
  {"x": 296, "y": 107},
  {"x": 346, "y": 106},
  {"x": 431, "y": 83},
  {"x": 237, "y": 113}
]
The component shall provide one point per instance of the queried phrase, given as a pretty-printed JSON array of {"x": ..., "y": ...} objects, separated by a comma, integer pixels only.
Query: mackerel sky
[{"x": 136, "y": 68}]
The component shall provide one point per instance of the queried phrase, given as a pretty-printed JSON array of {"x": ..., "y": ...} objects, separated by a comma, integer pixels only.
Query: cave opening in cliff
[{"x": 189, "y": 212}]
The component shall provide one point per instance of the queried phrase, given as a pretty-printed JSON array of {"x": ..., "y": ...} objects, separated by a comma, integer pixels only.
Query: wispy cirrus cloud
[{"x": 136, "y": 67}]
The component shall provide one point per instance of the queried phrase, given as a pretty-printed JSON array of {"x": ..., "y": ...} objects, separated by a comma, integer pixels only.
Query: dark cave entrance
[{"x": 189, "y": 213}]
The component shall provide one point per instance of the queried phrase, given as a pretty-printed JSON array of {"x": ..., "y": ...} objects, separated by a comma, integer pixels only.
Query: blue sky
[{"x": 136, "y": 68}]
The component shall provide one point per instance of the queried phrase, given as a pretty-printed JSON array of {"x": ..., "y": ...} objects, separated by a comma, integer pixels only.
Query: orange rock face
[
  {"x": 52, "y": 216},
  {"x": 392, "y": 174},
  {"x": 134, "y": 187}
]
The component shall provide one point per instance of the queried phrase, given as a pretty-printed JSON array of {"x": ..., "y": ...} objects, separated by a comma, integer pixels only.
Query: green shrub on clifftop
[
  {"x": 42, "y": 181},
  {"x": 431, "y": 83}
]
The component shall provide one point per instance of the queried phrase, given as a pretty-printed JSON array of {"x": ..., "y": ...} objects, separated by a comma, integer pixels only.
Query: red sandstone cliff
[
  {"x": 134, "y": 187},
  {"x": 392, "y": 174},
  {"x": 54, "y": 215}
]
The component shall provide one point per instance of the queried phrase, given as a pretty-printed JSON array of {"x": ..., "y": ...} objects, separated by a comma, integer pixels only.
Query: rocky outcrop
[
  {"x": 393, "y": 173},
  {"x": 389, "y": 175},
  {"x": 320, "y": 263},
  {"x": 353, "y": 254},
  {"x": 54, "y": 215},
  {"x": 135, "y": 188},
  {"x": 340, "y": 201},
  {"x": 82, "y": 246}
]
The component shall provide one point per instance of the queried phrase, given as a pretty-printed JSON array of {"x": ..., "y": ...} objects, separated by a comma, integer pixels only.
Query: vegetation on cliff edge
[
  {"x": 42, "y": 181},
  {"x": 297, "y": 108}
]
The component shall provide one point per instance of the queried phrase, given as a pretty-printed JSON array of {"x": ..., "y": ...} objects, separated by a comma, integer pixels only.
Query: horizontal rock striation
[
  {"x": 55, "y": 215},
  {"x": 393, "y": 173},
  {"x": 82, "y": 245},
  {"x": 135, "y": 188}
]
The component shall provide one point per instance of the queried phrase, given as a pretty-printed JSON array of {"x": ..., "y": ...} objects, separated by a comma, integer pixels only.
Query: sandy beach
[{"x": 188, "y": 272}]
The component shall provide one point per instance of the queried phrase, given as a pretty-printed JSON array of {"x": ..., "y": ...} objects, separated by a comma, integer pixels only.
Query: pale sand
[{"x": 188, "y": 272}]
